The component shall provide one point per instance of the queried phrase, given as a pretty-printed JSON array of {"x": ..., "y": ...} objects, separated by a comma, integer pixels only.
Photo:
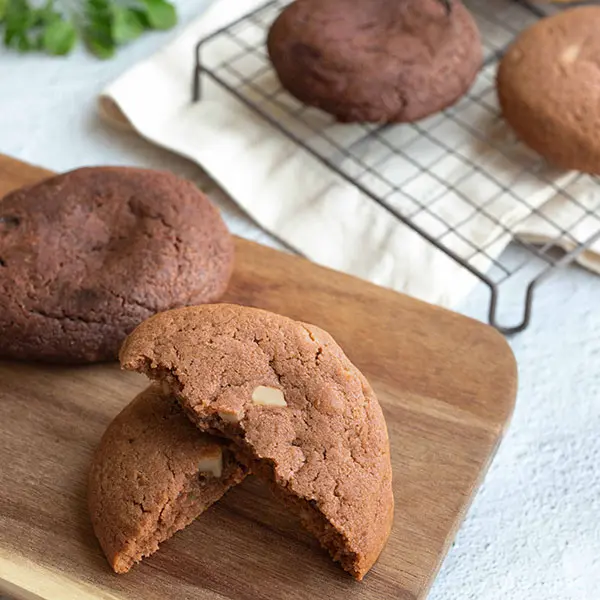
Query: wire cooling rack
[{"x": 500, "y": 190}]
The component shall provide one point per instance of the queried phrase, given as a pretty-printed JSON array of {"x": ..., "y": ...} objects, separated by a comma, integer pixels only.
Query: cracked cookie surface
[
  {"x": 376, "y": 61},
  {"x": 152, "y": 475},
  {"x": 86, "y": 256},
  {"x": 299, "y": 413},
  {"x": 549, "y": 88}
]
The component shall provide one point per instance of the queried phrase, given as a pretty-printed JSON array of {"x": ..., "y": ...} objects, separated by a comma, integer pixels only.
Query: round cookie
[
  {"x": 299, "y": 413},
  {"x": 86, "y": 256},
  {"x": 549, "y": 88},
  {"x": 377, "y": 61},
  {"x": 152, "y": 475}
]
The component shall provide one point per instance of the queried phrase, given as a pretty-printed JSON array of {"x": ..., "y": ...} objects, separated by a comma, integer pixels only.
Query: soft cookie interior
[
  {"x": 299, "y": 414},
  {"x": 152, "y": 475},
  {"x": 311, "y": 516}
]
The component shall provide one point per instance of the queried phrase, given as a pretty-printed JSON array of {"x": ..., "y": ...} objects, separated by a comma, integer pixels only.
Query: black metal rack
[{"x": 466, "y": 151}]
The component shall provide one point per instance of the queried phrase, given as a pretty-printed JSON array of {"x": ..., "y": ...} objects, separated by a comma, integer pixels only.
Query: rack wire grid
[{"x": 499, "y": 190}]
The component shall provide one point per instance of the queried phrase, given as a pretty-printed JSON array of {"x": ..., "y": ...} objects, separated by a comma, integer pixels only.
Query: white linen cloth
[{"x": 303, "y": 203}]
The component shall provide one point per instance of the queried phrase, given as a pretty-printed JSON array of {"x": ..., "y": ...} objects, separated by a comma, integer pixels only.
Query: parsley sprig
[{"x": 104, "y": 25}]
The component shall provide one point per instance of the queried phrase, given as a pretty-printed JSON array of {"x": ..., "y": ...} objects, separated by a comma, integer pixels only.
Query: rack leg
[
  {"x": 493, "y": 312},
  {"x": 197, "y": 84}
]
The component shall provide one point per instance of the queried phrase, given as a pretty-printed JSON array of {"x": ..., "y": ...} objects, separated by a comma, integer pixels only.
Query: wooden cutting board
[{"x": 447, "y": 385}]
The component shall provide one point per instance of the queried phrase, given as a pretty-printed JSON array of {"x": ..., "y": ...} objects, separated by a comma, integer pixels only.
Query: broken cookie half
[
  {"x": 152, "y": 475},
  {"x": 301, "y": 416}
]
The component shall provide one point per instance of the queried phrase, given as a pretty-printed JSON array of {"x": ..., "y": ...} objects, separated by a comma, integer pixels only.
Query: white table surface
[{"x": 534, "y": 529}]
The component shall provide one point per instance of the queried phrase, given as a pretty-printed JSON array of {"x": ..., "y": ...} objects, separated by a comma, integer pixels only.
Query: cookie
[
  {"x": 376, "y": 61},
  {"x": 549, "y": 88},
  {"x": 86, "y": 256},
  {"x": 299, "y": 413},
  {"x": 152, "y": 475}
]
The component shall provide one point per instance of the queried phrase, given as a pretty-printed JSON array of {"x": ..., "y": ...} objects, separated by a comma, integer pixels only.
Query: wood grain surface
[{"x": 447, "y": 385}]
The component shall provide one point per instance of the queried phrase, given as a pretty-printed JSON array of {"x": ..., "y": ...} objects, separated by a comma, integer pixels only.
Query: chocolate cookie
[
  {"x": 86, "y": 256},
  {"x": 549, "y": 88},
  {"x": 152, "y": 475},
  {"x": 299, "y": 413},
  {"x": 376, "y": 61}
]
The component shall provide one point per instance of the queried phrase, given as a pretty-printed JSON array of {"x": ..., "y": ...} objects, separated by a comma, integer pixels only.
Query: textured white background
[{"x": 534, "y": 529}]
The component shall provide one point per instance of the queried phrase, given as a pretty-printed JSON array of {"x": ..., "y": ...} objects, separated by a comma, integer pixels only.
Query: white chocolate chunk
[
  {"x": 268, "y": 396},
  {"x": 570, "y": 54},
  {"x": 212, "y": 463},
  {"x": 228, "y": 417}
]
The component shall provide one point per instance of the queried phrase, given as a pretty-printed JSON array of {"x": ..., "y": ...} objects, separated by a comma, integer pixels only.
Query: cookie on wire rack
[
  {"x": 549, "y": 88},
  {"x": 376, "y": 61}
]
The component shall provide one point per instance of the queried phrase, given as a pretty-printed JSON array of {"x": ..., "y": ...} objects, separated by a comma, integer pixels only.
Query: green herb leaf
[
  {"x": 59, "y": 37},
  {"x": 3, "y": 7},
  {"x": 26, "y": 25},
  {"x": 98, "y": 9},
  {"x": 126, "y": 25},
  {"x": 46, "y": 14},
  {"x": 101, "y": 28},
  {"x": 161, "y": 14},
  {"x": 142, "y": 17},
  {"x": 23, "y": 43},
  {"x": 18, "y": 19},
  {"x": 101, "y": 46},
  {"x": 98, "y": 5}
]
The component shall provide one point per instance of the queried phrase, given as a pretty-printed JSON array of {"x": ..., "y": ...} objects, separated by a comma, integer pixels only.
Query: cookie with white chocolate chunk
[
  {"x": 549, "y": 88},
  {"x": 151, "y": 476},
  {"x": 300, "y": 415}
]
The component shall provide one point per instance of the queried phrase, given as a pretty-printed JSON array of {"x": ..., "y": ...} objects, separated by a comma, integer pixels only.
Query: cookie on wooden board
[
  {"x": 549, "y": 88},
  {"x": 86, "y": 256},
  {"x": 152, "y": 475},
  {"x": 377, "y": 61},
  {"x": 299, "y": 413}
]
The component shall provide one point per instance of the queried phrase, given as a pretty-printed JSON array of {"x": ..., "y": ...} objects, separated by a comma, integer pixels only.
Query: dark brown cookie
[
  {"x": 152, "y": 475},
  {"x": 86, "y": 256},
  {"x": 376, "y": 61},
  {"x": 549, "y": 88},
  {"x": 300, "y": 414}
]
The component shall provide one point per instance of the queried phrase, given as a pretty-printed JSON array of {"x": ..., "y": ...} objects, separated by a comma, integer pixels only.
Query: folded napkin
[{"x": 459, "y": 176}]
